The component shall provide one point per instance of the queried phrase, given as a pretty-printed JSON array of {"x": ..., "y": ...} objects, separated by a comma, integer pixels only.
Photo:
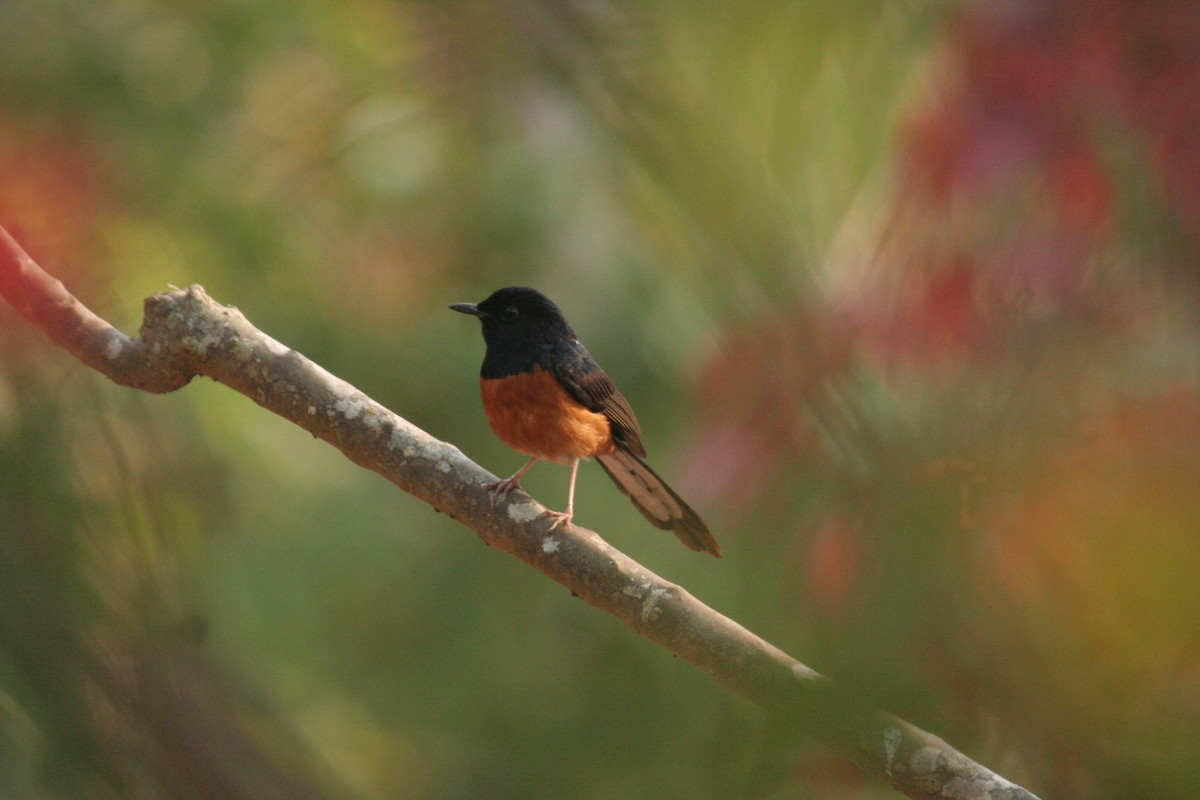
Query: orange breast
[{"x": 533, "y": 414}]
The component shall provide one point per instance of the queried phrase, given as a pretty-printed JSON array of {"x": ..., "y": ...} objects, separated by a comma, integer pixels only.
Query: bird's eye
[{"x": 509, "y": 314}]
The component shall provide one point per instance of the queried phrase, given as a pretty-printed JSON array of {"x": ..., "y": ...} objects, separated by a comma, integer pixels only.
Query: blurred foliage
[{"x": 905, "y": 295}]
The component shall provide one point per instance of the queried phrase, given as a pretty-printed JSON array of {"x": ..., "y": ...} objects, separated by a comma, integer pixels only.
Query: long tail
[{"x": 657, "y": 501}]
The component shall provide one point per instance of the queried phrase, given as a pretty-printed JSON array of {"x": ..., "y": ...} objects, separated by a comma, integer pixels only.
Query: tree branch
[{"x": 185, "y": 333}]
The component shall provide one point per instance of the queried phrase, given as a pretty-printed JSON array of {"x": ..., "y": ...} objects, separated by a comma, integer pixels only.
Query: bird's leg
[
  {"x": 560, "y": 517},
  {"x": 500, "y": 489}
]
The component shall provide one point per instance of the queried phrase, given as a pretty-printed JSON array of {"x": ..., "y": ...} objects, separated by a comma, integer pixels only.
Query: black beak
[{"x": 466, "y": 308}]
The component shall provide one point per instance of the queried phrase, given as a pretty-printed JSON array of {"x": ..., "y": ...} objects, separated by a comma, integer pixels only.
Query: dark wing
[{"x": 583, "y": 379}]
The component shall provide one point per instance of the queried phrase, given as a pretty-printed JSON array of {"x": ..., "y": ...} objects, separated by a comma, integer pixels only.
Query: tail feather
[{"x": 657, "y": 501}]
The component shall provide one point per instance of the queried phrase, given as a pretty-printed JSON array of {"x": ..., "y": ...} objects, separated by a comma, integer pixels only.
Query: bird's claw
[
  {"x": 559, "y": 518},
  {"x": 500, "y": 489}
]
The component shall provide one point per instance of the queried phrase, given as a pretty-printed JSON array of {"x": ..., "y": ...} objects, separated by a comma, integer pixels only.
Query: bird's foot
[
  {"x": 560, "y": 519},
  {"x": 500, "y": 489}
]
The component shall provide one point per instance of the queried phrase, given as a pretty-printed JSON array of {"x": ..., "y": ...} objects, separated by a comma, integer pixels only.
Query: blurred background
[{"x": 906, "y": 296}]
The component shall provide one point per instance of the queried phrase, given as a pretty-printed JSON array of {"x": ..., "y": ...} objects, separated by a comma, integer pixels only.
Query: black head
[{"x": 518, "y": 314}]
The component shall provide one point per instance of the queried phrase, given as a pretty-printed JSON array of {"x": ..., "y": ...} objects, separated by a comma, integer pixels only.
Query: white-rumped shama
[{"x": 545, "y": 396}]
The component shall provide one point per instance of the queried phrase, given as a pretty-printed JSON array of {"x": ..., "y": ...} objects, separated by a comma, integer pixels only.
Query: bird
[{"x": 547, "y": 398}]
